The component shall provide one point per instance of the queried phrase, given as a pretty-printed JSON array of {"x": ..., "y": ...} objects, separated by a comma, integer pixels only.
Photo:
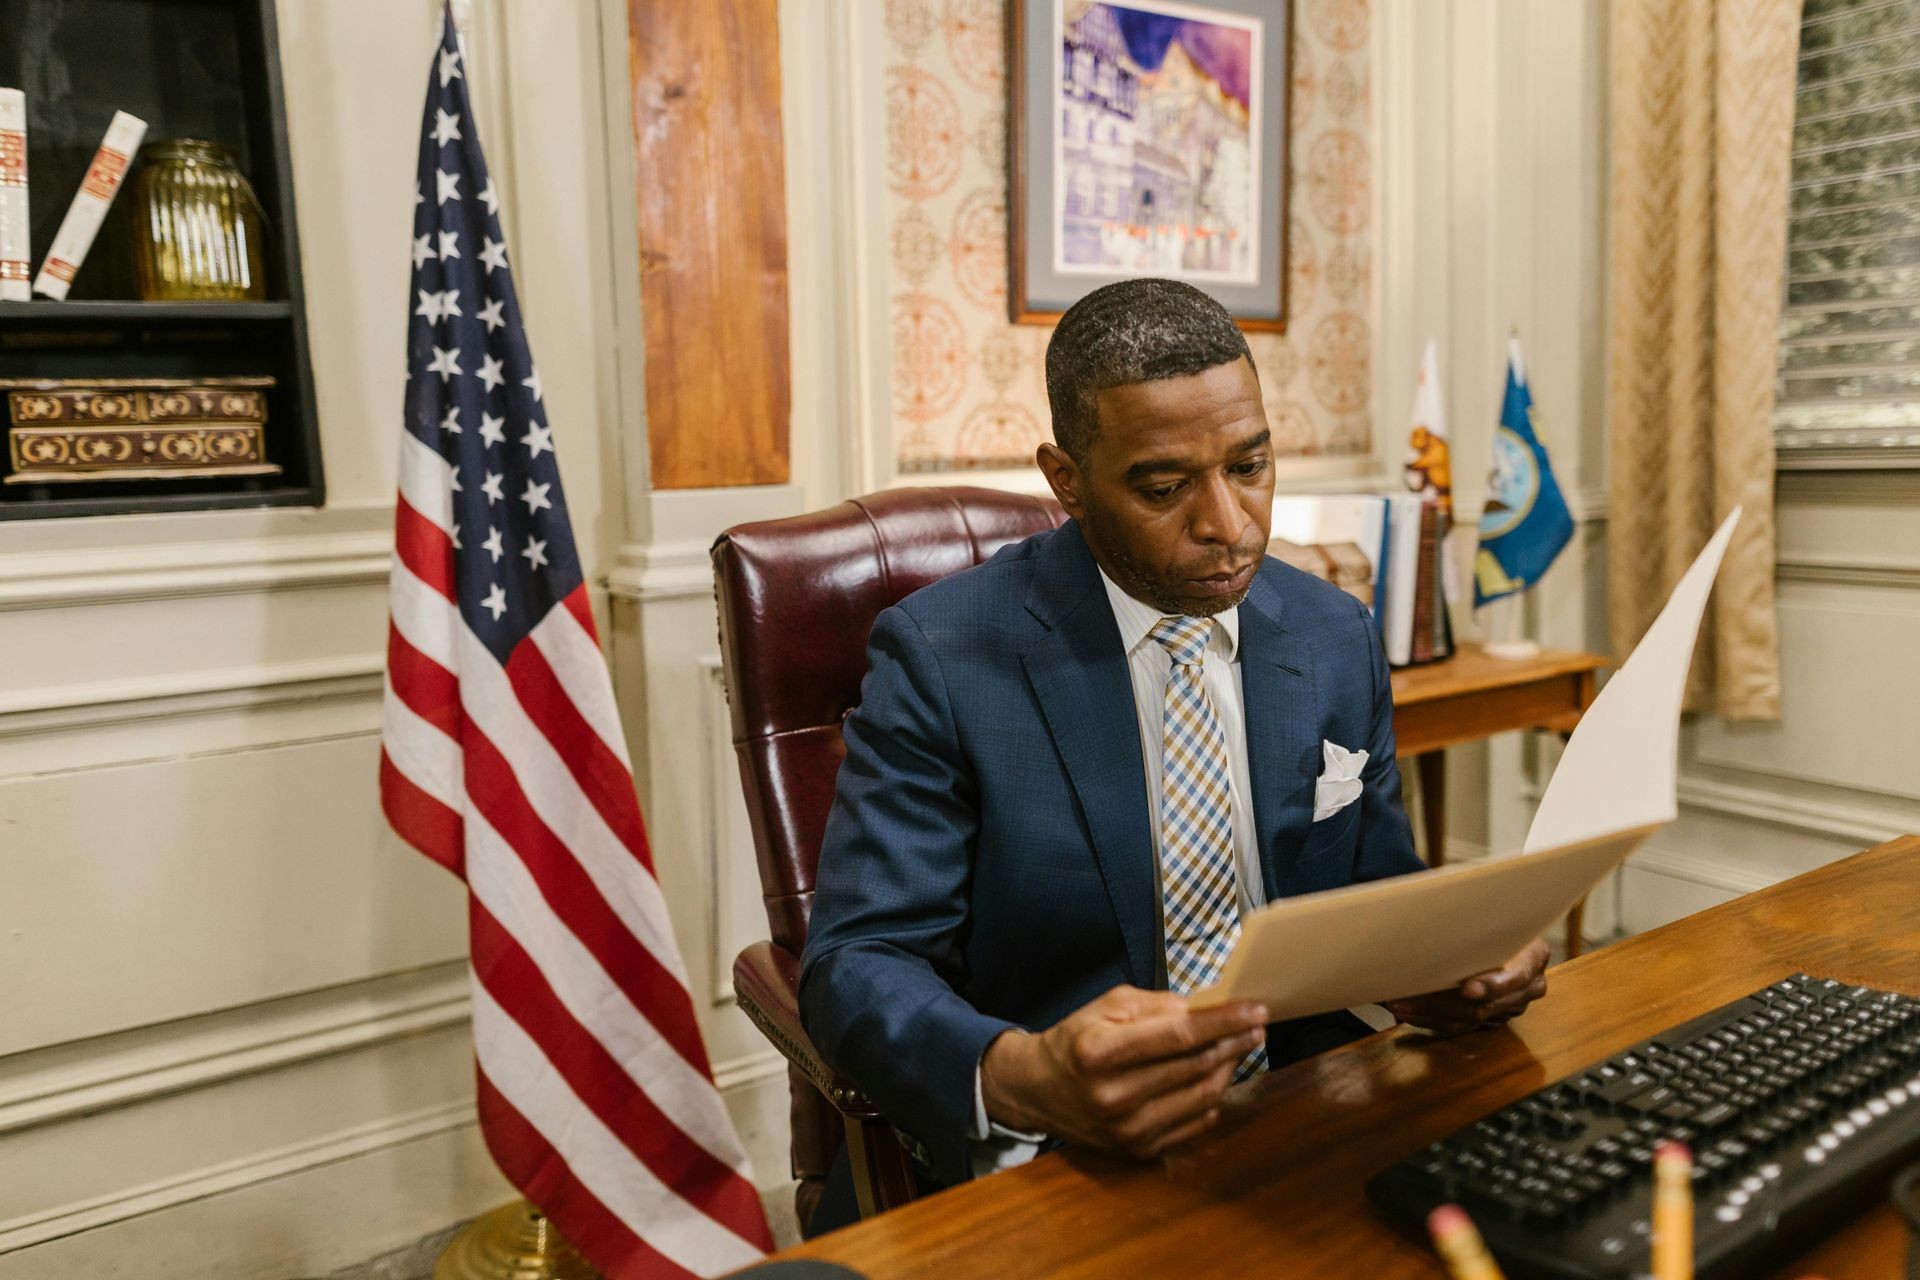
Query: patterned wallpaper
[{"x": 969, "y": 390}]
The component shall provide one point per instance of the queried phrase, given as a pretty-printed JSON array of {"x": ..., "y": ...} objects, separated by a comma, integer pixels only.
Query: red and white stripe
[{"x": 596, "y": 1097}]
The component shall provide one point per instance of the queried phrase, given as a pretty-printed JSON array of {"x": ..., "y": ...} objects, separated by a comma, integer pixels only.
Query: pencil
[
  {"x": 1672, "y": 1212},
  {"x": 1460, "y": 1246}
]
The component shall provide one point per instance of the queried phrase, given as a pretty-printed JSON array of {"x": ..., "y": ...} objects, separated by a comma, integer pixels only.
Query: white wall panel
[
  {"x": 1841, "y": 769},
  {"x": 150, "y": 892},
  {"x": 1849, "y": 694},
  {"x": 1492, "y": 217},
  {"x": 178, "y": 1146}
]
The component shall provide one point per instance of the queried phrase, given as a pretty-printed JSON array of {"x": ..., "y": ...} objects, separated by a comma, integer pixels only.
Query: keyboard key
[
  {"x": 1562, "y": 1124},
  {"x": 1624, "y": 1088}
]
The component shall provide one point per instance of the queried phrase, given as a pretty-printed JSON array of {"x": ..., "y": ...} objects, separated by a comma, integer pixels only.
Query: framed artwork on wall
[{"x": 1147, "y": 138}]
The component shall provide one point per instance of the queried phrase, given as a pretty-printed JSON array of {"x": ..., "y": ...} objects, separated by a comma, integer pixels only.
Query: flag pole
[
  {"x": 514, "y": 1242},
  {"x": 1516, "y": 645}
]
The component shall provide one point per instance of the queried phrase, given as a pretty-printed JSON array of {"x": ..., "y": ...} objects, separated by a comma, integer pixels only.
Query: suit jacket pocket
[{"x": 1325, "y": 858}]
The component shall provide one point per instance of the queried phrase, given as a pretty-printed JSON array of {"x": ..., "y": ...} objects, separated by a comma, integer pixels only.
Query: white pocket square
[{"x": 1339, "y": 782}]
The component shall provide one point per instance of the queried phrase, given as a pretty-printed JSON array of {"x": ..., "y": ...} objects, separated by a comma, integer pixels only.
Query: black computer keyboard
[{"x": 1799, "y": 1103}]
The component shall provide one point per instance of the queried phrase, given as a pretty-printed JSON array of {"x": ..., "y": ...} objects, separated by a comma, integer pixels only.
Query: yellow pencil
[
  {"x": 1460, "y": 1246},
  {"x": 1672, "y": 1212}
]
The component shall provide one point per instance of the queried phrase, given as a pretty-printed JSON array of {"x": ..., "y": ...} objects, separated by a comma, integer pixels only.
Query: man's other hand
[
  {"x": 1482, "y": 999},
  {"x": 1135, "y": 1071}
]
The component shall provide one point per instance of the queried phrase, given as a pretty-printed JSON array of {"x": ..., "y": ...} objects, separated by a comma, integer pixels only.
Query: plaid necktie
[{"x": 1197, "y": 881}]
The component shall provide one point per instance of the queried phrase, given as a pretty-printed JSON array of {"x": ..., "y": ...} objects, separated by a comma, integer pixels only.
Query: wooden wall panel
[{"x": 710, "y": 188}]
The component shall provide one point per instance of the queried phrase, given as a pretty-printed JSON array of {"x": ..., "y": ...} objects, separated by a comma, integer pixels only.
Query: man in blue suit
[{"x": 1076, "y": 767}]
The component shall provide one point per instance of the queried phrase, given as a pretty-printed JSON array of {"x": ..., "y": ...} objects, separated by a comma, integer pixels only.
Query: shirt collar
[{"x": 1136, "y": 620}]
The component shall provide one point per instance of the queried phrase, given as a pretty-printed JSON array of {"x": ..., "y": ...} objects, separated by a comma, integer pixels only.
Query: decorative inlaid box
[{"x": 136, "y": 428}]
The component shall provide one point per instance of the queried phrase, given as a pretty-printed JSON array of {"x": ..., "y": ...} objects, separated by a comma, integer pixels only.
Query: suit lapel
[
  {"x": 1283, "y": 748},
  {"x": 1079, "y": 675}
]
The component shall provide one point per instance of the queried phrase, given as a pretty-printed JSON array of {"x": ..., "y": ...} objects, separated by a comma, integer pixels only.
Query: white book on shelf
[
  {"x": 1403, "y": 575},
  {"x": 16, "y": 254},
  {"x": 90, "y": 204}
]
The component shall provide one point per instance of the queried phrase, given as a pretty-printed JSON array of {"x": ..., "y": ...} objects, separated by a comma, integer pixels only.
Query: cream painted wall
[
  {"x": 1492, "y": 209},
  {"x": 1841, "y": 769},
  {"x": 1493, "y": 119}
]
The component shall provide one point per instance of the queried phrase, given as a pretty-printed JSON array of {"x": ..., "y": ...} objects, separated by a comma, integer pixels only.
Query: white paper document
[{"x": 1426, "y": 932}]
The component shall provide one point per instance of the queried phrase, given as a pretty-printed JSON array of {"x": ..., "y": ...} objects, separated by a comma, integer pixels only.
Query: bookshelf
[{"x": 192, "y": 69}]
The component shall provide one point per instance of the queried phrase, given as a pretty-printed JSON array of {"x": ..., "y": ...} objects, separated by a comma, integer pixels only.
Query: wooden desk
[
  {"x": 1281, "y": 1191},
  {"x": 1471, "y": 696}
]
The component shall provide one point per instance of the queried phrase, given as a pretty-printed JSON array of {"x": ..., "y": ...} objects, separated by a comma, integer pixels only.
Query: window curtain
[{"x": 1702, "y": 129}]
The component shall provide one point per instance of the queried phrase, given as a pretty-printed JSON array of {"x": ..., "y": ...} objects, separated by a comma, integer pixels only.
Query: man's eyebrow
[{"x": 1155, "y": 466}]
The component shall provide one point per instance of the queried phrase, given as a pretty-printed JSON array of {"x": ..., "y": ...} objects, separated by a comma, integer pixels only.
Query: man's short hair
[{"x": 1128, "y": 332}]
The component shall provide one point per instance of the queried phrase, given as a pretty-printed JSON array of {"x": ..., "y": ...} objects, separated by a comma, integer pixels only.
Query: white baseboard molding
[
  {"x": 1710, "y": 873},
  {"x": 1459, "y": 850},
  {"x": 1838, "y": 820},
  {"x": 331, "y": 1204},
  {"x": 170, "y": 571},
  {"x": 20, "y": 1233},
  {"x": 1852, "y": 571},
  {"x": 102, "y": 703},
  {"x": 748, "y": 1070},
  {"x": 661, "y": 571},
  {"x": 71, "y": 1081}
]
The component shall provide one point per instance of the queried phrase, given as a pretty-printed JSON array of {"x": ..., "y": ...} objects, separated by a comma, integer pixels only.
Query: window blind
[{"x": 1849, "y": 375}]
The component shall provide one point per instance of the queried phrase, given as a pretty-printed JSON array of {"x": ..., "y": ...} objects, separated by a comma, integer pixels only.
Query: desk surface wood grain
[{"x": 1281, "y": 1189}]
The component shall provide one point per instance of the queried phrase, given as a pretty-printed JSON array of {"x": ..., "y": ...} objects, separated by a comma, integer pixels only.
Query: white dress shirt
[{"x": 1149, "y": 665}]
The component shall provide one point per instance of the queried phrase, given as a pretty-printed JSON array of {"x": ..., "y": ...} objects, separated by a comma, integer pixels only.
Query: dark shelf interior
[
  {"x": 178, "y": 65},
  {"x": 191, "y": 69}
]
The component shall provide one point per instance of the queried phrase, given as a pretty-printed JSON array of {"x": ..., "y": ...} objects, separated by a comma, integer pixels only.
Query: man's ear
[{"x": 1063, "y": 477}]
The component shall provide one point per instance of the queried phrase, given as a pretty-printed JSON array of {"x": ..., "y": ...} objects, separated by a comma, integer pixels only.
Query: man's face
[{"x": 1176, "y": 494}]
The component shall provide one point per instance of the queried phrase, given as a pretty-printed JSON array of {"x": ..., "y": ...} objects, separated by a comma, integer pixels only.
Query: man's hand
[
  {"x": 1482, "y": 999},
  {"x": 1134, "y": 1071}
]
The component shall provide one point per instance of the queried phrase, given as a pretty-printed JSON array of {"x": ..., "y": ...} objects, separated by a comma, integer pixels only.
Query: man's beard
[{"x": 1134, "y": 578}]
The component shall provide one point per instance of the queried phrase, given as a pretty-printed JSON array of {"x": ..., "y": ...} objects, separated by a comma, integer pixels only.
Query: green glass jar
[{"x": 198, "y": 233}]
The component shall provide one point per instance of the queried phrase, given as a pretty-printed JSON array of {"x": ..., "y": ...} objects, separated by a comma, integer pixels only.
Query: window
[{"x": 1850, "y": 334}]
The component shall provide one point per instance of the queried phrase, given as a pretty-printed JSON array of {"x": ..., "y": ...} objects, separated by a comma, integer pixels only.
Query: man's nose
[{"x": 1217, "y": 517}]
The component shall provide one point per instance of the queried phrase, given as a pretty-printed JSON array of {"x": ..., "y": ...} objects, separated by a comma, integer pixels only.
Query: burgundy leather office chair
[{"x": 797, "y": 598}]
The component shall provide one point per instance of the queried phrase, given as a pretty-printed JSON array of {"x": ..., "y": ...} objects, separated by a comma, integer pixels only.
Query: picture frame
[{"x": 1148, "y": 138}]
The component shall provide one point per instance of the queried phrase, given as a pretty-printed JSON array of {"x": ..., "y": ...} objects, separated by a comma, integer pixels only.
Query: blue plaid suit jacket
[{"x": 988, "y": 861}]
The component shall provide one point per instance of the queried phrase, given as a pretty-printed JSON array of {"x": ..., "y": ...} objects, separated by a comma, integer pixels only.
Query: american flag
[{"x": 503, "y": 760}]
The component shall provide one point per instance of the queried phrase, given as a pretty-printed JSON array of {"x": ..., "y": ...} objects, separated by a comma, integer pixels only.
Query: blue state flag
[{"x": 1525, "y": 522}]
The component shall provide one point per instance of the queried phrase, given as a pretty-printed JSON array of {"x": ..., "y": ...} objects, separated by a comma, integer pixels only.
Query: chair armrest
[{"x": 766, "y": 983}]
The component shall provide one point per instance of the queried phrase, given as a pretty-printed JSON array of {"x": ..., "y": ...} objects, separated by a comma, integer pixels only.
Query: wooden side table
[{"x": 1471, "y": 696}]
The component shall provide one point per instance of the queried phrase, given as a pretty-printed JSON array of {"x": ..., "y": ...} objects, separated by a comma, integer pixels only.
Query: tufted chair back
[{"x": 797, "y": 598}]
